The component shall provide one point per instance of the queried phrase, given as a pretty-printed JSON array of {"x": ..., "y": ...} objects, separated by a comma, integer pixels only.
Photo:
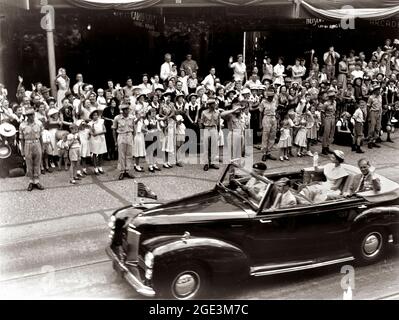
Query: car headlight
[{"x": 149, "y": 260}]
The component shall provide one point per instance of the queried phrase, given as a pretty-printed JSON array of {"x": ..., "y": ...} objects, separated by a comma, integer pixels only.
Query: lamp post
[{"x": 47, "y": 23}]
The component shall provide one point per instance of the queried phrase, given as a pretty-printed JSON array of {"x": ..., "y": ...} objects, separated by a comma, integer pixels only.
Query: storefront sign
[{"x": 387, "y": 23}]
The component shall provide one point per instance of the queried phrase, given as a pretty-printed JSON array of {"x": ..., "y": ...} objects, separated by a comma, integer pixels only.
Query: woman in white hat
[{"x": 335, "y": 177}]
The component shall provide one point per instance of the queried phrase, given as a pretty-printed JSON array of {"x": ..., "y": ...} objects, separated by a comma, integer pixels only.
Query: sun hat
[
  {"x": 179, "y": 118},
  {"x": 52, "y": 112},
  {"x": 339, "y": 154},
  {"x": 7, "y": 129},
  {"x": 246, "y": 91},
  {"x": 5, "y": 151}
]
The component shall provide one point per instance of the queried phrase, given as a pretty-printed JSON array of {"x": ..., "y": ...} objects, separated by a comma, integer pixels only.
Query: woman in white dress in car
[{"x": 335, "y": 175}]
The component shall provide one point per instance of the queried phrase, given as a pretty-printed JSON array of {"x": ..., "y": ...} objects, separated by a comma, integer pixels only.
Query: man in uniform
[
  {"x": 269, "y": 123},
  {"x": 255, "y": 188},
  {"x": 210, "y": 120},
  {"x": 123, "y": 125},
  {"x": 374, "y": 115},
  {"x": 328, "y": 116},
  {"x": 234, "y": 137},
  {"x": 30, "y": 135}
]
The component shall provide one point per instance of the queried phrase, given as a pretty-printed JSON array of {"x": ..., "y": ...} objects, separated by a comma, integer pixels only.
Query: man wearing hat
[
  {"x": 210, "y": 121},
  {"x": 235, "y": 135},
  {"x": 284, "y": 198},
  {"x": 30, "y": 135},
  {"x": 123, "y": 127},
  {"x": 267, "y": 109},
  {"x": 253, "y": 187},
  {"x": 328, "y": 118},
  {"x": 374, "y": 104}
]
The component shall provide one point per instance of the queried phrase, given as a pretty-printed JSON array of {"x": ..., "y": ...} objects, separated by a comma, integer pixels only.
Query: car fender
[
  {"x": 219, "y": 256},
  {"x": 387, "y": 217}
]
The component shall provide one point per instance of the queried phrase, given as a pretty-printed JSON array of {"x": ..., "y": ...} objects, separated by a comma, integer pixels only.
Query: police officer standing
[
  {"x": 30, "y": 135},
  {"x": 210, "y": 120},
  {"x": 123, "y": 127},
  {"x": 268, "y": 108},
  {"x": 328, "y": 116}
]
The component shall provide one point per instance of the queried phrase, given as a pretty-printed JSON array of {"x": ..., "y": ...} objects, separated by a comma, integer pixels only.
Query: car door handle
[
  {"x": 265, "y": 221},
  {"x": 362, "y": 206}
]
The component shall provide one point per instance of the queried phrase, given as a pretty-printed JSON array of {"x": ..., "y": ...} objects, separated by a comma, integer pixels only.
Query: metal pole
[
  {"x": 244, "y": 46},
  {"x": 51, "y": 61},
  {"x": 48, "y": 23}
]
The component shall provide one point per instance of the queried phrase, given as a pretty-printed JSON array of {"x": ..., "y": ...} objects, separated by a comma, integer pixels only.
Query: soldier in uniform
[
  {"x": 328, "y": 116},
  {"x": 210, "y": 121},
  {"x": 30, "y": 135},
  {"x": 268, "y": 108},
  {"x": 123, "y": 128}
]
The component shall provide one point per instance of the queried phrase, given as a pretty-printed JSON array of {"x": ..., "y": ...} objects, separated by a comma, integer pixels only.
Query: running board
[{"x": 260, "y": 270}]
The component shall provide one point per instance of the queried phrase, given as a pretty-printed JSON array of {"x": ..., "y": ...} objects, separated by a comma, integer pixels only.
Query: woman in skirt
[
  {"x": 54, "y": 124},
  {"x": 167, "y": 114},
  {"x": 98, "y": 146},
  {"x": 152, "y": 139},
  {"x": 139, "y": 141}
]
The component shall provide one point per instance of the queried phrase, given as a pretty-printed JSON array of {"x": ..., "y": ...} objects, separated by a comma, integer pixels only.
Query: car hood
[{"x": 206, "y": 206}]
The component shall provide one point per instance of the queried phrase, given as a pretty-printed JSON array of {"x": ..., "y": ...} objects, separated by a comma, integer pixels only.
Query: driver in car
[{"x": 255, "y": 188}]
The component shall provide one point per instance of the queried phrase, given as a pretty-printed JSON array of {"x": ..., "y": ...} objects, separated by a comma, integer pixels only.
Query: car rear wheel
[
  {"x": 186, "y": 282},
  {"x": 371, "y": 245}
]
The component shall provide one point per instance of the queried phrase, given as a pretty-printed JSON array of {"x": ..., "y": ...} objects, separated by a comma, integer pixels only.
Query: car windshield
[{"x": 246, "y": 185}]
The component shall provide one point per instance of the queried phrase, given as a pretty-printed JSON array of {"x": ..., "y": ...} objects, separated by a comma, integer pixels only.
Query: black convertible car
[{"x": 180, "y": 248}]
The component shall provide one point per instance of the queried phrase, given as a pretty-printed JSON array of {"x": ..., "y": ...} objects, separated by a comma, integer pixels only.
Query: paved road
[{"x": 52, "y": 242}]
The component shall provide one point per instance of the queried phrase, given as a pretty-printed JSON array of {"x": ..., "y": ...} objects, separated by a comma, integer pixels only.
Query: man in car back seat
[
  {"x": 284, "y": 198},
  {"x": 366, "y": 180}
]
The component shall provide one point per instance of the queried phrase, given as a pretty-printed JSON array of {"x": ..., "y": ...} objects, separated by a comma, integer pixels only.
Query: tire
[
  {"x": 185, "y": 282},
  {"x": 371, "y": 245}
]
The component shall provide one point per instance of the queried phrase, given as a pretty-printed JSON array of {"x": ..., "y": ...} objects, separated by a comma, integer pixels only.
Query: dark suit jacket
[{"x": 369, "y": 184}]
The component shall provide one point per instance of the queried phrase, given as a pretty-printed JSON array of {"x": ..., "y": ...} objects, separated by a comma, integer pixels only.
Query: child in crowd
[
  {"x": 47, "y": 148},
  {"x": 314, "y": 126},
  {"x": 101, "y": 101},
  {"x": 74, "y": 152},
  {"x": 84, "y": 134},
  {"x": 152, "y": 139},
  {"x": 285, "y": 141},
  {"x": 63, "y": 151},
  {"x": 180, "y": 137},
  {"x": 300, "y": 138}
]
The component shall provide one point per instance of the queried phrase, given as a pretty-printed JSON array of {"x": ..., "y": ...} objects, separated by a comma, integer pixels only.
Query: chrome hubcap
[
  {"x": 372, "y": 244},
  {"x": 186, "y": 285}
]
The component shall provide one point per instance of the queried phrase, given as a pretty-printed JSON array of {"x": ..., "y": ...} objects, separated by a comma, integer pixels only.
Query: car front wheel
[
  {"x": 186, "y": 282},
  {"x": 371, "y": 245}
]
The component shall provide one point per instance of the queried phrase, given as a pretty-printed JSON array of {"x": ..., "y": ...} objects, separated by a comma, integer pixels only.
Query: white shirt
[
  {"x": 239, "y": 70},
  {"x": 166, "y": 70},
  {"x": 209, "y": 81}
]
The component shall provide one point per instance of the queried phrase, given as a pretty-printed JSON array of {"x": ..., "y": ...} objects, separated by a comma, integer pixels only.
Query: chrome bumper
[{"x": 131, "y": 276}]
